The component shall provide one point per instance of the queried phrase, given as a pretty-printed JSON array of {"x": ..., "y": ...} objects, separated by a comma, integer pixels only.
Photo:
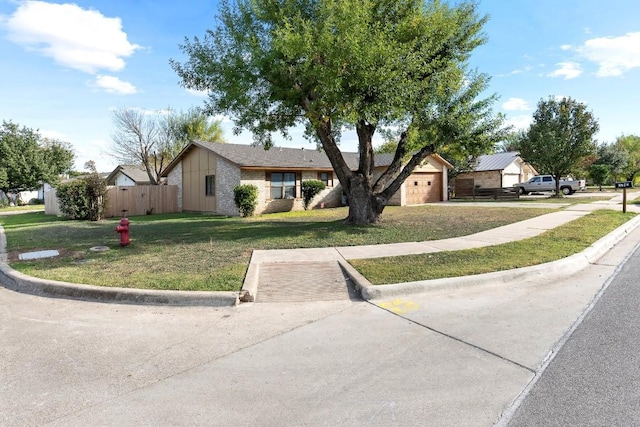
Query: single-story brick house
[
  {"x": 128, "y": 176},
  {"x": 499, "y": 170},
  {"x": 206, "y": 174}
]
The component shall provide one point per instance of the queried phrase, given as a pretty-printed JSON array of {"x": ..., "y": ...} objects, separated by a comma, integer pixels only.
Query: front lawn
[{"x": 200, "y": 252}]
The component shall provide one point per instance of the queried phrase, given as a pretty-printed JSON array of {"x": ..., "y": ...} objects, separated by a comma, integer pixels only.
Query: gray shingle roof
[
  {"x": 249, "y": 156},
  {"x": 277, "y": 157},
  {"x": 138, "y": 175},
  {"x": 492, "y": 162}
]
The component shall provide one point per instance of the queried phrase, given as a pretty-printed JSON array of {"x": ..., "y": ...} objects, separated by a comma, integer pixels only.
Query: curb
[
  {"x": 551, "y": 270},
  {"x": 16, "y": 281}
]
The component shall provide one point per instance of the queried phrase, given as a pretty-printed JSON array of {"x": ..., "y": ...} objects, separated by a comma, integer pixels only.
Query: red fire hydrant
[{"x": 123, "y": 229}]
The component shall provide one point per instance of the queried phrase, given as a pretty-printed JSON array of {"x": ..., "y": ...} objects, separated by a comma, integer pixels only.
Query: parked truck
[{"x": 541, "y": 183}]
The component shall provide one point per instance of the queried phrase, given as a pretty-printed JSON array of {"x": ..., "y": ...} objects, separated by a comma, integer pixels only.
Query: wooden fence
[
  {"x": 465, "y": 189},
  {"x": 129, "y": 201}
]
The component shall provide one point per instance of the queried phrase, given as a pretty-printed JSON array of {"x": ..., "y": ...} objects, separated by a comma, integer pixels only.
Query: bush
[
  {"x": 246, "y": 199},
  {"x": 35, "y": 201},
  {"x": 83, "y": 199},
  {"x": 311, "y": 189}
]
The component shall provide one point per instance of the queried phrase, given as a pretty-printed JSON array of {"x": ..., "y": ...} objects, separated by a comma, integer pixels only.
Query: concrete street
[{"x": 453, "y": 357}]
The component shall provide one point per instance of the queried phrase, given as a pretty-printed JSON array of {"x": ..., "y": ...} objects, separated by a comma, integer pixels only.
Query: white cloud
[
  {"x": 520, "y": 122},
  {"x": 516, "y": 104},
  {"x": 614, "y": 55},
  {"x": 114, "y": 85},
  {"x": 198, "y": 93},
  {"x": 566, "y": 47},
  {"x": 568, "y": 70},
  {"x": 54, "y": 134},
  {"x": 77, "y": 38}
]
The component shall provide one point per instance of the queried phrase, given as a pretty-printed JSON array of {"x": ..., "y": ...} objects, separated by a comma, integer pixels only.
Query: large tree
[
  {"x": 152, "y": 140},
  {"x": 559, "y": 138},
  {"x": 331, "y": 65},
  {"x": 27, "y": 160}
]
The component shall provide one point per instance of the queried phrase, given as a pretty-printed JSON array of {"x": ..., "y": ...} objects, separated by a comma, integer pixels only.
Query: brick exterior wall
[
  {"x": 175, "y": 178},
  {"x": 331, "y": 196},
  {"x": 228, "y": 176}
]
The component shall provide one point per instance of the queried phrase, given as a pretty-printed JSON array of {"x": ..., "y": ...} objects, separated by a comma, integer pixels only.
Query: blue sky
[{"x": 66, "y": 66}]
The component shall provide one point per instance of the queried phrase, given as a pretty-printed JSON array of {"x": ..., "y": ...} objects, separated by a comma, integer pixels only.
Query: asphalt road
[{"x": 594, "y": 380}]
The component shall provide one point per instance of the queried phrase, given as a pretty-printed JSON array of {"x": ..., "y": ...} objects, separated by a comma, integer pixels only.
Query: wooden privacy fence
[
  {"x": 141, "y": 200},
  {"x": 465, "y": 188},
  {"x": 136, "y": 200}
]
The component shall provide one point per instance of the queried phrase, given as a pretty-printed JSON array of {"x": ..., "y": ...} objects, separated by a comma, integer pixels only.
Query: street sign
[{"x": 624, "y": 184}]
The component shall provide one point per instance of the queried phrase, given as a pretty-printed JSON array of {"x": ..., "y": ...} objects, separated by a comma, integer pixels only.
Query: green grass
[
  {"x": 550, "y": 246},
  {"x": 200, "y": 252}
]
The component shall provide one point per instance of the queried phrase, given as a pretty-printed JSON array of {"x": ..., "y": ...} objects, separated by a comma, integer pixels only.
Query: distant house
[
  {"x": 128, "y": 176},
  {"x": 206, "y": 174},
  {"x": 499, "y": 170}
]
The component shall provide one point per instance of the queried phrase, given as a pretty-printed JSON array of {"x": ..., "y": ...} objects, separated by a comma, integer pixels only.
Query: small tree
[
  {"x": 85, "y": 198},
  {"x": 246, "y": 199},
  {"x": 311, "y": 189},
  {"x": 599, "y": 174}
]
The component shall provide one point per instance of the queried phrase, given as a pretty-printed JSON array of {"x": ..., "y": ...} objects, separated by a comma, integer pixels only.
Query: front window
[
  {"x": 326, "y": 177},
  {"x": 210, "y": 185},
  {"x": 283, "y": 185}
]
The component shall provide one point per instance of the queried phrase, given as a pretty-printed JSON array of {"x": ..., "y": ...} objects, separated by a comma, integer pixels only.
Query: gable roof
[
  {"x": 135, "y": 173},
  {"x": 249, "y": 156},
  {"x": 492, "y": 162}
]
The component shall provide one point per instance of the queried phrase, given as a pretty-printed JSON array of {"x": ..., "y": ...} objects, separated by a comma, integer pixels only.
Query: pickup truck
[{"x": 542, "y": 183}]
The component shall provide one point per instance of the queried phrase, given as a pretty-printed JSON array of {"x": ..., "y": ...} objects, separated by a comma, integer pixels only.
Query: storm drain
[{"x": 303, "y": 281}]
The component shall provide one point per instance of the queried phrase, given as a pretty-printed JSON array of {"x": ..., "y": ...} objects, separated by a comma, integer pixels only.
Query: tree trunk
[{"x": 364, "y": 206}]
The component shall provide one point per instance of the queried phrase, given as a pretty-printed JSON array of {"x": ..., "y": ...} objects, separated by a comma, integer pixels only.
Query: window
[
  {"x": 547, "y": 179},
  {"x": 210, "y": 185},
  {"x": 283, "y": 185},
  {"x": 326, "y": 177}
]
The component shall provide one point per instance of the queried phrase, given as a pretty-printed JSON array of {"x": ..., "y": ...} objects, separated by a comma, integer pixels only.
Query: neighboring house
[
  {"x": 206, "y": 174},
  {"x": 499, "y": 170},
  {"x": 128, "y": 176},
  {"x": 26, "y": 196}
]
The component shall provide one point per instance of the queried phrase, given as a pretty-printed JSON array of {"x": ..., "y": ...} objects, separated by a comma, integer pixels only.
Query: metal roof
[{"x": 500, "y": 161}]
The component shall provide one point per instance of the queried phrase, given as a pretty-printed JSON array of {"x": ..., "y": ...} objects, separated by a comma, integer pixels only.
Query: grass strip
[{"x": 551, "y": 245}]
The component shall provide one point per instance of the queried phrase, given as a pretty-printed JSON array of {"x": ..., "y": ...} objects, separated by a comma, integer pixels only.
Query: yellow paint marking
[{"x": 399, "y": 306}]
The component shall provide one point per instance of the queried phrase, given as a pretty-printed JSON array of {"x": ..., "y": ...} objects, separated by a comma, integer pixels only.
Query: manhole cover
[{"x": 99, "y": 249}]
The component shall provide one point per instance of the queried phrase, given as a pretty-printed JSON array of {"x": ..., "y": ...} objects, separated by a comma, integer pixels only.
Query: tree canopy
[
  {"x": 630, "y": 144},
  {"x": 560, "y": 136},
  {"x": 349, "y": 64},
  {"x": 614, "y": 157},
  {"x": 27, "y": 160}
]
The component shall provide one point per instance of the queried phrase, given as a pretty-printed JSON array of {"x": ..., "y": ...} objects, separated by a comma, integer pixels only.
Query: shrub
[
  {"x": 36, "y": 201},
  {"x": 311, "y": 189},
  {"x": 83, "y": 199},
  {"x": 246, "y": 199}
]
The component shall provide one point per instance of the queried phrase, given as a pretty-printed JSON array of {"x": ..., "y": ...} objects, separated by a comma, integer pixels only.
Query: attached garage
[{"x": 424, "y": 187}]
